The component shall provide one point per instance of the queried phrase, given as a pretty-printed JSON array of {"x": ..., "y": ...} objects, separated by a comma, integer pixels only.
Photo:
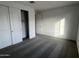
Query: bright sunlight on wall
[{"x": 59, "y": 27}]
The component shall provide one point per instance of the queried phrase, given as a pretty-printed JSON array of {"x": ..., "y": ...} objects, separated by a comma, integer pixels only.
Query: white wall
[
  {"x": 78, "y": 39},
  {"x": 31, "y": 15},
  {"x": 46, "y": 20}
]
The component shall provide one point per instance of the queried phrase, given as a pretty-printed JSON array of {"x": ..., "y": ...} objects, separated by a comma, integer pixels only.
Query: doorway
[{"x": 25, "y": 24}]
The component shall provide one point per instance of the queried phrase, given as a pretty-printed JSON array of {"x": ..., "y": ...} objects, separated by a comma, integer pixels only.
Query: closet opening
[{"x": 25, "y": 24}]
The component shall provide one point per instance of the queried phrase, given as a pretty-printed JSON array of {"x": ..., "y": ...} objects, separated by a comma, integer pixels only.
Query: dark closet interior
[{"x": 25, "y": 24}]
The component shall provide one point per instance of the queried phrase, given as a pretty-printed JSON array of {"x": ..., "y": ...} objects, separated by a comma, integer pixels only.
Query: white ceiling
[{"x": 43, "y": 5}]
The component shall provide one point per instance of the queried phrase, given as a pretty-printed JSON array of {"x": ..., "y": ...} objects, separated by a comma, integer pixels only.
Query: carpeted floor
[{"x": 42, "y": 47}]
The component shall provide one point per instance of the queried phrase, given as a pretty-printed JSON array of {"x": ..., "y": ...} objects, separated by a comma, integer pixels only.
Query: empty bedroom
[{"x": 39, "y": 29}]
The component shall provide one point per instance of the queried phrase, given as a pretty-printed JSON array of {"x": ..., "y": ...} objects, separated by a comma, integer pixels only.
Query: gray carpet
[{"x": 42, "y": 47}]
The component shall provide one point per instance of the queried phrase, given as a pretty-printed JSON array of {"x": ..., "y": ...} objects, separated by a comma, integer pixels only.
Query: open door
[{"x": 25, "y": 24}]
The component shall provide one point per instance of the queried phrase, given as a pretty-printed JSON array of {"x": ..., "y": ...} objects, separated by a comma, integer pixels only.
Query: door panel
[
  {"x": 15, "y": 17},
  {"x": 5, "y": 35}
]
